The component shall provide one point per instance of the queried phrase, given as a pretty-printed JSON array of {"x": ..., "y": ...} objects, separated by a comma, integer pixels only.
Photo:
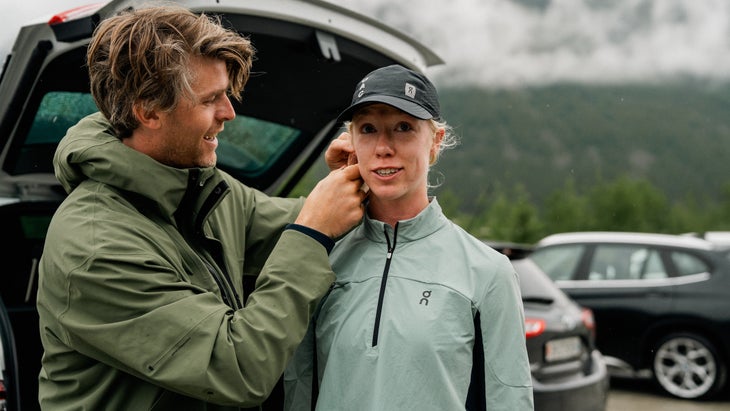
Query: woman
[{"x": 422, "y": 315}]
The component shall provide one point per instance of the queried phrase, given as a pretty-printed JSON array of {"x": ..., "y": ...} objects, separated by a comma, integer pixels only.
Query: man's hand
[
  {"x": 339, "y": 151},
  {"x": 335, "y": 204}
]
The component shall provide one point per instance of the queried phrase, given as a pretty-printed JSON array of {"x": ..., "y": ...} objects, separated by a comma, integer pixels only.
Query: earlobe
[{"x": 433, "y": 155}]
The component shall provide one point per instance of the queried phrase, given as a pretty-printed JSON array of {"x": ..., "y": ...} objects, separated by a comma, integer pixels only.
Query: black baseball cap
[{"x": 399, "y": 87}]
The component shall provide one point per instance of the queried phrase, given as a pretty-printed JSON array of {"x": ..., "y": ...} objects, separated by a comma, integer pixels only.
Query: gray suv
[{"x": 310, "y": 55}]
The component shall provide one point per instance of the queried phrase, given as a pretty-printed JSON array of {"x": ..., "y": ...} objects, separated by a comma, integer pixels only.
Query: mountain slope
[{"x": 677, "y": 137}]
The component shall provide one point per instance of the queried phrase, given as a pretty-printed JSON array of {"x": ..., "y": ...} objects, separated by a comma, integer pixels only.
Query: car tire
[{"x": 688, "y": 366}]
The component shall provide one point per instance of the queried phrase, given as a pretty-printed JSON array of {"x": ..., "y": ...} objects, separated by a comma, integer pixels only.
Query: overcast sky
[
  {"x": 518, "y": 42},
  {"x": 522, "y": 42}
]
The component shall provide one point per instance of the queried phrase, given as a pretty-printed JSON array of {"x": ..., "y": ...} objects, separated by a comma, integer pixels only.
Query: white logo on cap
[
  {"x": 362, "y": 87},
  {"x": 410, "y": 90}
]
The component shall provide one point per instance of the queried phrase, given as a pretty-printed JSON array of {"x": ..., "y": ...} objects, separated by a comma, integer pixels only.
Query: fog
[{"x": 503, "y": 43}]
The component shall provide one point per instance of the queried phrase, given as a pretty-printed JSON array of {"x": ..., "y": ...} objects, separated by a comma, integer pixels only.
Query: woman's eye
[
  {"x": 367, "y": 128},
  {"x": 403, "y": 127}
]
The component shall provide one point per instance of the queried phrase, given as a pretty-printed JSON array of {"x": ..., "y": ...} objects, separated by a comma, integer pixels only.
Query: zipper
[
  {"x": 381, "y": 296},
  {"x": 215, "y": 249},
  {"x": 229, "y": 294},
  {"x": 196, "y": 239}
]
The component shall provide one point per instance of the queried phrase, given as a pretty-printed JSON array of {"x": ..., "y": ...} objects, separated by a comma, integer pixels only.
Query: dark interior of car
[{"x": 25, "y": 225}]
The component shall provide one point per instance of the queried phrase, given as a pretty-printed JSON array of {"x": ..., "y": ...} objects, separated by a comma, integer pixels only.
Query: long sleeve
[{"x": 506, "y": 366}]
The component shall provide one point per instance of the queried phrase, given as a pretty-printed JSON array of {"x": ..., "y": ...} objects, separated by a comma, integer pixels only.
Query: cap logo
[
  {"x": 410, "y": 90},
  {"x": 362, "y": 87}
]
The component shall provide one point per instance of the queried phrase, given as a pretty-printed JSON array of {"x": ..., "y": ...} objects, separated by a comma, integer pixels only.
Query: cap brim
[{"x": 407, "y": 106}]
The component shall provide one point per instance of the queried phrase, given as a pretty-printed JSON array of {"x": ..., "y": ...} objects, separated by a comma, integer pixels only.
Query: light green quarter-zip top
[{"x": 413, "y": 306}]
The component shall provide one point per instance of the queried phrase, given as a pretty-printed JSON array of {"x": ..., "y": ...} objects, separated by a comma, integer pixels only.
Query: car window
[
  {"x": 558, "y": 262},
  {"x": 688, "y": 264},
  {"x": 248, "y": 145},
  {"x": 533, "y": 284},
  {"x": 626, "y": 262},
  {"x": 252, "y": 146}
]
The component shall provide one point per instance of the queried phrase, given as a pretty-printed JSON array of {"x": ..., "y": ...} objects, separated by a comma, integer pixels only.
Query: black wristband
[{"x": 326, "y": 242}]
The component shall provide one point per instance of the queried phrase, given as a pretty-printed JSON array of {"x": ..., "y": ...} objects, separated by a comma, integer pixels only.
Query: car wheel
[{"x": 688, "y": 366}]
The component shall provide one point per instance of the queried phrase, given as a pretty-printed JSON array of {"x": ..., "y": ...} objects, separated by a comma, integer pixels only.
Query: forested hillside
[
  {"x": 677, "y": 138},
  {"x": 541, "y": 160}
]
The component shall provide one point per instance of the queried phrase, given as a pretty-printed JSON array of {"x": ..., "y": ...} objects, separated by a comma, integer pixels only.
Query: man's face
[{"x": 189, "y": 133}]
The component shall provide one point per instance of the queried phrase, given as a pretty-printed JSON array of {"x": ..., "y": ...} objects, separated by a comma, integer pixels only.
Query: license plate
[{"x": 562, "y": 349}]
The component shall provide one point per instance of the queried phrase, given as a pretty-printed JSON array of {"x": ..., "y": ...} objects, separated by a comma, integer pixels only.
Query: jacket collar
[{"x": 428, "y": 221}]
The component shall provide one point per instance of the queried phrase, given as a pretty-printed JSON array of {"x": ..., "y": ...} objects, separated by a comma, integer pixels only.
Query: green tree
[
  {"x": 566, "y": 210},
  {"x": 628, "y": 205},
  {"x": 514, "y": 219},
  {"x": 449, "y": 202}
]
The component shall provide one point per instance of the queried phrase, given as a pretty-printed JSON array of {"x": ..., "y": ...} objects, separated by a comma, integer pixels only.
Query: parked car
[
  {"x": 721, "y": 239},
  {"x": 310, "y": 56},
  {"x": 568, "y": 371},
  {"x": 661, "y": 304}
]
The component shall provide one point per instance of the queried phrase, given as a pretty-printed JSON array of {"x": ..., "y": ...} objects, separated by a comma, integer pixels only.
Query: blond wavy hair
[{"x": 143, "y": 57}]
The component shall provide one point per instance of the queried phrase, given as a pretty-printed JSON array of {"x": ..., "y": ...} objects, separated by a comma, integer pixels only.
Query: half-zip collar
[{"x": 428, "y": 221}]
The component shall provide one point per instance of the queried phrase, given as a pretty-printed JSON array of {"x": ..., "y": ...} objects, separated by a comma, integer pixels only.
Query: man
[{"x": 141, "y": 298}]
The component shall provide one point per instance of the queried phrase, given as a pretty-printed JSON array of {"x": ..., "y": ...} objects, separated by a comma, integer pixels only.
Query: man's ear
[{"x": 147, "y": 118}]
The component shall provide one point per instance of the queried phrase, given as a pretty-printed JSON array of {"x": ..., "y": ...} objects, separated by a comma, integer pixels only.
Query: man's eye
[{"x": 214, "y": 99}]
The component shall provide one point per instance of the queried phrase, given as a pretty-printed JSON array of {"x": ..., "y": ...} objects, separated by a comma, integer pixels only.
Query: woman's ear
[{"x": 438, "y": 137}]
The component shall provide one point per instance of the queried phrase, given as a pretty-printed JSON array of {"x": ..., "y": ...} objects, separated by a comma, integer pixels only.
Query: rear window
[
  {"x": 248, "y": 145},
  {"x": 534, "y": 284},
  {"x": 559, "y": 262},
  {"x": 688, "y": 264}
]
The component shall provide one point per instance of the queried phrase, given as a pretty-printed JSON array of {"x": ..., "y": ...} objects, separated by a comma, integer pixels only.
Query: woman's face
[{"x": 394, "y": 151}]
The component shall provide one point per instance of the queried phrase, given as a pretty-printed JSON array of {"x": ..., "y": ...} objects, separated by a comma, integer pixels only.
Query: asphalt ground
[{"x": 641, "y": 395}]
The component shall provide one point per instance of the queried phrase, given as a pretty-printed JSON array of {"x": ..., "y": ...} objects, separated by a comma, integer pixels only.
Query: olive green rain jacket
[{"x": 141, "y": 298}]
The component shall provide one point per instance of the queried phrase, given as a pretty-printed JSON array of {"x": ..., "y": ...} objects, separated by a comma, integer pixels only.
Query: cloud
[{"x": 503, "y": 43}]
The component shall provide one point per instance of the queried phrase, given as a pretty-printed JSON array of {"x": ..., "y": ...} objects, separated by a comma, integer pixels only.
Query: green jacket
[{"x": 141, "y": 297}]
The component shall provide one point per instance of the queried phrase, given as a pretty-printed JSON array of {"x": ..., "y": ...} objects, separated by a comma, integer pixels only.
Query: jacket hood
[{"x": 91, "y": 151}]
